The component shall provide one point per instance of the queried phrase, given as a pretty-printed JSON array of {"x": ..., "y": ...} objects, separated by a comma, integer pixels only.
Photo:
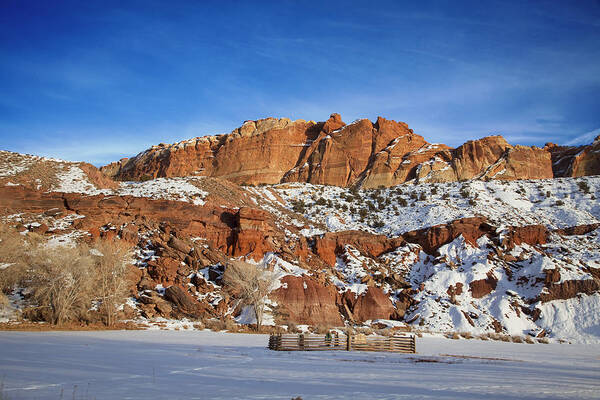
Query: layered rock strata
[{"x": 383, "y": 153}]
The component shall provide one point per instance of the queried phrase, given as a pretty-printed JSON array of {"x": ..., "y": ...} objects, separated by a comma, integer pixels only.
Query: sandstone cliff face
[
  {"x": 383, "y": 153},
  {"x": 305, "y": 301},
  {"x": 575, "y": 161}
]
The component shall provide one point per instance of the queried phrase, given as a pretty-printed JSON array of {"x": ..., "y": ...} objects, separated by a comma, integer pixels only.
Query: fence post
[
  {"x": 414, "y": 344},
  {"x": 301, "y": 341},
  {"x": 348, "y": 343}
]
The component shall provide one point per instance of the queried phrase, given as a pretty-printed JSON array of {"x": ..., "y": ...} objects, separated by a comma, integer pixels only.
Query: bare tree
[
  {"x": 251, "y": 284},
  {"x": 111, "y": 260}
]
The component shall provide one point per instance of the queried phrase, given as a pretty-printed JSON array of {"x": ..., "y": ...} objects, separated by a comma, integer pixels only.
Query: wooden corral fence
[{"x": 359, "y": 342}]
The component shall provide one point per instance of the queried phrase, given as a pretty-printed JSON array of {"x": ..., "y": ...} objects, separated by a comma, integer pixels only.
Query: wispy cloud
[{"x": 585, "y": 138}]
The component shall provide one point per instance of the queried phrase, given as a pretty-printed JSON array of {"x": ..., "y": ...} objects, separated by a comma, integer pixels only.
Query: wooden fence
[{"x": 359, "y": 342}]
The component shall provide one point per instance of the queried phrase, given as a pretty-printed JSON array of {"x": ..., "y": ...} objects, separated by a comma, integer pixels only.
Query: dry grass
[
  {"x": 27, "y": 326},
  {"x": 217, "y": 325},
  {"x": 41, "y": 175},
  {"x": 321, "y": 329},
  {"x": 516, "y": 339}
]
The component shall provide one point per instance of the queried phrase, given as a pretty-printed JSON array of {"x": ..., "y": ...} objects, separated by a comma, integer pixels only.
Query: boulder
[
  {"x": 184, "y": 302},
  {"x": 303, "y": 300},
  {"x": 372, "y": 304},
  {"x": 482, "y": 287}
]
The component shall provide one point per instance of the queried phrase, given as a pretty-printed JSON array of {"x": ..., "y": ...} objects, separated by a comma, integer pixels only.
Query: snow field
[{"x": 200, "y": 365}]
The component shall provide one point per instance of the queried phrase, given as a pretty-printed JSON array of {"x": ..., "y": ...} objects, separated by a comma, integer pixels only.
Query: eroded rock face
[
  {"x": 303, "y": 300},
  {"x": 483, "y": 287},
  {"x": 333, "y": 243},
  {"x": 431, "y": 239},
  {"x": 211, "y": 222},
  {"x": 530, "y": 234},
  {"x": 333, "y": 153},
  {"x": 252, "y": 236},
  {"x": 569, "y": 289},
  {"x": 575, "y": 161},
  {"x": 373, "y": 304}
]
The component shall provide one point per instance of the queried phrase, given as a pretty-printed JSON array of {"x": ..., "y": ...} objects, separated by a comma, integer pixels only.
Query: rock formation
[
  {"x": 575, "y": 160},
  {"x": 383, "y": 153}
]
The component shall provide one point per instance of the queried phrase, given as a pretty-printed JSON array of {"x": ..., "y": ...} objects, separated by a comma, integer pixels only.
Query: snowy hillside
[
  {"x": 556, "y": 203},
  {"x": 512, "y": 258}
]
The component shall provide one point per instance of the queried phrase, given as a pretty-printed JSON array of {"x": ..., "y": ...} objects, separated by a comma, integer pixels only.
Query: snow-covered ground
[{"x": 208, "y": 365}]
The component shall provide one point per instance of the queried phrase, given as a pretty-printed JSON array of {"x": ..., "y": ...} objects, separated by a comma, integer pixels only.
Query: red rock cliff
[{"x": 334, "y": 153}]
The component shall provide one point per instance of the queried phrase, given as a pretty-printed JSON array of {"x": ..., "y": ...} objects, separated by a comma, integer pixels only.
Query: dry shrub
[
  {"x": 517, "y": 339},
  {"x": 13, "y": 252},
  {"x": 365, "y": 330},
  {"x": 466, "y": 335},
  {"x": 231, "y": 325},
  {"x": 214, "y": 324},
  {"x": 292, "y": 327},
  {"x": 543, "y": 340},
  {"x": 384, "y": 332},
  {"x": 61, "y": 284},
  {"x": 454, "y": 336},
  {"x": 217, "y": 325},
  {"x": 199, "y": 326},
  {"x": 321, "y": 329},
  {"x": 529, "y": 340}
]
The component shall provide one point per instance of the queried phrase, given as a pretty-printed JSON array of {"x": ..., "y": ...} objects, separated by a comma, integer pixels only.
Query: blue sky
[{"x": 100, "y": 80}]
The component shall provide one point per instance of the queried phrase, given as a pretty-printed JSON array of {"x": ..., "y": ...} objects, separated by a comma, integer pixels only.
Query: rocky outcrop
[
  {"x": 303, "y": 300},
  {"x": 483, "y": 287},
  {"x": 97, "y": 178},
  {"x": 184, "y": 302},
  {"x": 328, "y": 246},
  {"x": 253, "y": 233},
  {"x": 531, "y": 234},
  {"x": 431, "y": 239},
  {"x": 373, "y": 304},
  {"x": 578, "y": 229},
  {"x": 569, "y": 289},
  {"x": 332, "y": 153}
]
